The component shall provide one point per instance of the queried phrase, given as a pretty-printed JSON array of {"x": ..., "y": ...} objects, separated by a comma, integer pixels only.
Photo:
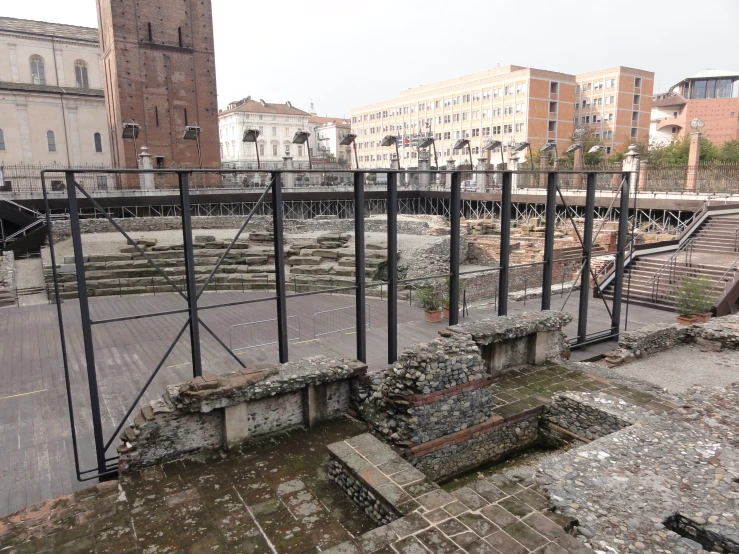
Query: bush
[
  {"x": 693, "y": 296},
  {"x": 430, "y": 298},
  {"x": 445, "y": 296}
]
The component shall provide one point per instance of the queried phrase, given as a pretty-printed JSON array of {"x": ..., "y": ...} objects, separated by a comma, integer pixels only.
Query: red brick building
[{"x": 159, "y": 72}]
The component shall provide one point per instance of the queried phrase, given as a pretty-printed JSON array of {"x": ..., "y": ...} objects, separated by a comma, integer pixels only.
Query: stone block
[
  {"x": 303, "y": 260},
  {"x": 146, "y": 242},
  {"x": 202, "y": 239},
  {"x": 315, "y": 405},
  {"x": 235, "y": 425},
  {"x": 537, "y": 347},
  {"x": 67, "y": 268}
]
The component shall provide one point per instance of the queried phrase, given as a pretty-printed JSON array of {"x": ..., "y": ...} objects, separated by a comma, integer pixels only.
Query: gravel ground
[{"x": 678, "y": 369}]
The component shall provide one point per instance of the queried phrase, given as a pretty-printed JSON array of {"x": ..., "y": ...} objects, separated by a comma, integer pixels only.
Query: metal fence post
[
  {"x": 92, "y": 383},
  {"x": 359, "y": 266},
  {"x": 392, "y": 267},
  {"x": 282, "y": 337},
  {"x": 454, "y": 220},
  {"x": 550, "y": 216},
  {"x": 623, "y": 229},
  {"x": 505, "y": 242},
  {"x": 192, "y": 300},
  {"x": 587, "y": 247}
]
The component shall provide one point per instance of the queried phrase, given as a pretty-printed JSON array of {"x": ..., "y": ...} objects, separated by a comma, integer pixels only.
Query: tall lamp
[
  {"x": 461, "y": 143},
  {"x": 131, "y": 131},
  {"x": 430, "y": 141},
  {"x": 192, "y": 132},
  {"x": 348, "y": 139},
  {"x": 301, "y": 137},
  {"x": 492, "y": 145},
  {"x": 548, "y": 147},
  {"x": 598, "y": 148},
  {"x": 389, "y": 140},
  {"x": 251, "y": 135},
  {"x": 520, "y": 147}
]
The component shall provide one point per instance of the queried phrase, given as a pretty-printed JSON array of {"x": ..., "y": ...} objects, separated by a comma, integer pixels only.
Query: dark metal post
[
  {"x": 92, "y": 382},
  {"x": 392, "y": 267},
  {"x": 587, "y": 246},
  {"x": 192, "y": 293},
  {"x": 505, "y": 243},
  {"x": 282, "y": 338},
  {"x": 550, "y": 216},
  {"x": 359, "y": 266},
  {"x": 454, "y": 208},
  {"x": 623, "y": 228}
]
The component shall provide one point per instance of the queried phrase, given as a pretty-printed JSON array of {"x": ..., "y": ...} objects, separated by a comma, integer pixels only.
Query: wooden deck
[{"x": 36, "y": 457}]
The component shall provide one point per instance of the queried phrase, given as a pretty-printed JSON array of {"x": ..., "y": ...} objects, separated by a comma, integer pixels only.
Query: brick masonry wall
[{"x": 584, "y": 420}]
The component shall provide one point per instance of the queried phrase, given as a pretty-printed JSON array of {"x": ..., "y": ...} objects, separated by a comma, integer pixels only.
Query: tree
[
  {"x": 588, "y": 141},
  {"x": 730, "y": 151}
]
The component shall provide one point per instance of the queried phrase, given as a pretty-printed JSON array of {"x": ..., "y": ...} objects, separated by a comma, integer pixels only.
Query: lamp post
[
  {"x": 598, "y": 148},
  {"x": 389, "y": 140},
  {"x": 192, "y": 132},
  {"x": 430, "y": 141},
  {"x": 492, "y": 145},
  {"x": 251, "y": 135},
  {"x": 131, "y": 131},
  {"x": 520, "y": 147},
  {"x": 346, "y": 140},
  {"x": 461, "y": 143},
  {"x": 301, "y": 137}
]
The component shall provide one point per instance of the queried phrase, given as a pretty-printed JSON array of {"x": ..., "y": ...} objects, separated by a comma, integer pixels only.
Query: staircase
[
  {"x": 23, "y": 230},
  {"x": 710, "y": 253}
]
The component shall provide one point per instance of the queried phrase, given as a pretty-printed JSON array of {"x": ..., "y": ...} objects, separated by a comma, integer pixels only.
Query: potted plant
[
  {"x": 446, "y": 295},
  {"x": 430, "y": 301},
  {"x": 693, "y": 301}
]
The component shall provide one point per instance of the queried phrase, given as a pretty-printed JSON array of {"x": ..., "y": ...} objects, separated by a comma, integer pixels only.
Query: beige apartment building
[
  {"x": 510, "y": 104},
  {"x": 615, "y": 105}
]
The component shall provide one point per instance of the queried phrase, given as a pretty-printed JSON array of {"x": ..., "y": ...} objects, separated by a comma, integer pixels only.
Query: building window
[
  {"x": 521, "y": 88},
  {"x": 159, "y": 162},
  {"x": 51, "y": 141},
  {"x": 552, "y": 126},
  {"x": 179, "y": 36},
  {"x": 274, "y": 150},
  {"x": 98, "y": 142},
  {"x": 80, "y": 74},
  {"x": 2, "y": 140},
  {"x": 553, "y": 88},
  {"x": 38, "y": 76},
  {"x": 274, "y": 131},
  {"x": 149, "y": 29},
  {"x": 634, "y": 131},
  {"x": 519, "y": 127},
  {"x": 674, "y": 130},
  {"x": 636, "y": 99},
  {"x": 637, "y": 82}
]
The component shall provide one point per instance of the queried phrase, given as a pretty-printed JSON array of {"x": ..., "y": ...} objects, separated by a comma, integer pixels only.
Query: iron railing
[
  {"x": 190, "y": 292},
  {"x": 670, "y": 266},
  {"x": 262, "y": 334}
]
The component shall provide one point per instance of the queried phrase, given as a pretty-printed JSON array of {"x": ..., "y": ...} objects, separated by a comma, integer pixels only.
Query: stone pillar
[
  {"x": 577, "y": 178},
  {"x": 450, "y": 164},
  {"x": 394, "y": 163},
  {"x": 424, "y": 164},
  {"x": 288, "y": 179},
  {"x": 543, "y": 167},
  {"x": 481, "y": 178},
  {"x": 146, "y": 180},
  {"x": 694, "y": 156},
  {"x": 643, "y": 165},
  {"x": 616, "y": 177},
  {"x": 513, "y": 166},
  {"x": 235, "y": 425}
]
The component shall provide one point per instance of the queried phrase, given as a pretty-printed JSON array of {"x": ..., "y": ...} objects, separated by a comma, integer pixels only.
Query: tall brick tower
[{"x": 159, "y": 70}]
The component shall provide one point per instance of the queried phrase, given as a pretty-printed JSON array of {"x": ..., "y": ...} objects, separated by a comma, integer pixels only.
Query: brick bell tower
[{"x": 159, "y": 71}]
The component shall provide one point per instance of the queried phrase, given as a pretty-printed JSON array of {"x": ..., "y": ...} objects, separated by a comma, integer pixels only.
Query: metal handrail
[
  {"x": 734, "y": 267},
  {"x": 736, "y": 238},
  {"x": 686, "y": 247},
  {"x": 695, "y": 217},
  {"x": 22, "y": 208}
]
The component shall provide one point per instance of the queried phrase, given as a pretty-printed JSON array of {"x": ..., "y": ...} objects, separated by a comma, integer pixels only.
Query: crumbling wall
[
  {"x": 586, "y": 420},
  {"x": 7, "y": 279},
  {"x": 215, "y": 411}
]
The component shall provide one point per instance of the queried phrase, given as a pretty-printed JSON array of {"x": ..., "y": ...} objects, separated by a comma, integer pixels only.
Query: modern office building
[
  {"x": 510, "y": 104},
  {"x": 711, "y": 95}
]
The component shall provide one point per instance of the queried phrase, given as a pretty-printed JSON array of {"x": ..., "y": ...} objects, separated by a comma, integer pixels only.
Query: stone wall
[
  {"x": 222, "y": 411},
  {"x": 7, "y": 279},
  {"x": 436, "y": 403},
  {"x": 588, "y": 421}
]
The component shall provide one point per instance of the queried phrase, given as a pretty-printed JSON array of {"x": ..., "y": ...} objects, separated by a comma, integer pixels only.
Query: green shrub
[
  {"x": 447, "y": 287},
  {"x": 430, "y": 298},
  {"x": 693, "y": 296}
]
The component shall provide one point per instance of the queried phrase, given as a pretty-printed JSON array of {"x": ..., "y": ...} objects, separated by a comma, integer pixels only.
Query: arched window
[
  {"x": 38, "y": 76},
  {"x": 51, "y": 140},
  {"x": 2, "y": 140},
  {"x": 98, "y": 142},
  {"x": 80, "y": 74}
]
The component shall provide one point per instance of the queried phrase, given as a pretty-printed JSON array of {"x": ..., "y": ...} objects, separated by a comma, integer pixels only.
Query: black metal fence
[{"x": 190, "y": 291}]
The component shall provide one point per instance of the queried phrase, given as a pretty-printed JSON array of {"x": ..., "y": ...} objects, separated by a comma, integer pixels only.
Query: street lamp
[
  {"x": 574, "y": 146},
  {"x": 348, "y": 139},
  {"x": 520, "y": 147},
  {"x": 598, "y": 148},
  {"x": 301, "y": 137},
  {"x": 461, "y": 143},
  {"x": 389, "y": 140},
  {"x": 251, "y": 135},
  {"x": 192, "y": 132},
  {"x": 131, "y": 131},
  {"x": 430, "y": 141},
  {"x": 492, "y": 145}
]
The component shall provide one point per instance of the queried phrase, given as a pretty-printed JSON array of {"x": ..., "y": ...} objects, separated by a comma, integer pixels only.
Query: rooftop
[
  {"x": 714, "y": 74},
  {"x": 247, "y": 105},
  {"x": 46, "y": 29}
]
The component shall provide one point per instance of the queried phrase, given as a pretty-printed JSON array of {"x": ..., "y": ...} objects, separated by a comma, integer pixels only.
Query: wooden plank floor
[{"x": 36, "y": 456}]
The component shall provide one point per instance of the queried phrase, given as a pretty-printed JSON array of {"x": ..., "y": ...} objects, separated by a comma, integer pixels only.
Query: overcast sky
[{"x": 342, "y": 54}]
